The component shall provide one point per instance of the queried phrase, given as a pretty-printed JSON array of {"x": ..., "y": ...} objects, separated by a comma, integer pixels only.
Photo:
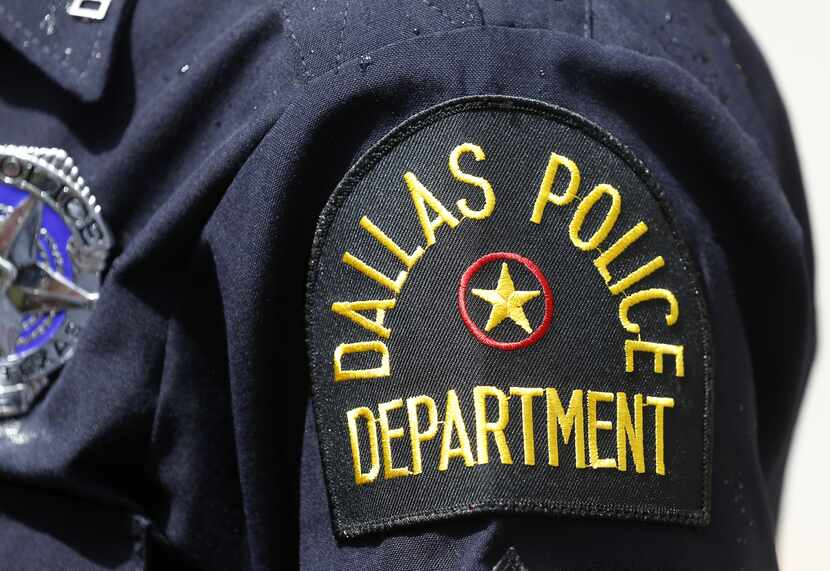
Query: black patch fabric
[{"x": 502, "y": 317}]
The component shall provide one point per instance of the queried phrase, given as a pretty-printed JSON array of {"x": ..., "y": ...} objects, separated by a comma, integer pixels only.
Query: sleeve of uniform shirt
[
  {"x": 680, "y": 86},
  {"x": 226, "y": 165}
]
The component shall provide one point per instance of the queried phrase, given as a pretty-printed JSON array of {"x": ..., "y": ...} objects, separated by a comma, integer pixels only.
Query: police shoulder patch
[{"x": 502, "y": 317}]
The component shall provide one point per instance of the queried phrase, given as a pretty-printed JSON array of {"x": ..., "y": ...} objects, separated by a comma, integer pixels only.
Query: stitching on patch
[
  {"x": 339, "y": 53},
  {"x": 366, "y": 163},
  {"x": 351, "y": 310},
  {"x": 671, "y": 515},
  {"x": 295, "y": 41},
  {"x": 341, "y": 374}
]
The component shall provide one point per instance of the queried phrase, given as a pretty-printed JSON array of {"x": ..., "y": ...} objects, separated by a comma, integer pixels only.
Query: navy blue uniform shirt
[{"x": 182, "y": 432}]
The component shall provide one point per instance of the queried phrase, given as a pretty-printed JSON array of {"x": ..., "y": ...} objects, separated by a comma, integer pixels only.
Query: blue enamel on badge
[{"x": 53, "y": 246}]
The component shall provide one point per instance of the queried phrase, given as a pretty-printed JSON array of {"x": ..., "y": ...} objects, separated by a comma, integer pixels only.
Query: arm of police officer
[
  {"x": 542, "y": 319},
  {"x": 419, "y": 285}
]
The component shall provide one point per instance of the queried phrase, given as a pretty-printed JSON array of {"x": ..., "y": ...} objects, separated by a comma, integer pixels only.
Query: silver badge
[{"x": 53, "y": 246}]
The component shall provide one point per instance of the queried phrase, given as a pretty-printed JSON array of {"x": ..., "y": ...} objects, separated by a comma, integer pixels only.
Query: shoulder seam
[{"x": 302, "y": 73}]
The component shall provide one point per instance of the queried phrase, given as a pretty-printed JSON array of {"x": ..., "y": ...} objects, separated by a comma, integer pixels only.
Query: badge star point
[
  {"x": 28, "y": 286},
  {"x": 507, "y": 302}
]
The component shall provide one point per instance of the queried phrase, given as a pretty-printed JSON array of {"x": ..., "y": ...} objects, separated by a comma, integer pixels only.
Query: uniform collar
[{"x": 76, "y": 53}]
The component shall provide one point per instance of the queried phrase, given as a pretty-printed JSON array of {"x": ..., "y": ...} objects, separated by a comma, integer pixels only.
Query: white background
[{"x": 795, "y": 38}]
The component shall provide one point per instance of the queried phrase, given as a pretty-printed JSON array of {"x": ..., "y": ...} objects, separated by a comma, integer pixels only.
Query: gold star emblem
[{"x": 506, "y": 302}]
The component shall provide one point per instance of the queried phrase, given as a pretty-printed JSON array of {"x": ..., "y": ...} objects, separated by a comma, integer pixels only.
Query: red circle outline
[{"x": 537, "y": 334}]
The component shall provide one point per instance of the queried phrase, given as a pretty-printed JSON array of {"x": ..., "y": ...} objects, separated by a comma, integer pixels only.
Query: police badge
[{"x": 53, "y": 246}]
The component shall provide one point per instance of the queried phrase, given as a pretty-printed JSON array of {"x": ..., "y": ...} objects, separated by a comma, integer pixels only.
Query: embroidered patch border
[{"x": 366, "y": 163}]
